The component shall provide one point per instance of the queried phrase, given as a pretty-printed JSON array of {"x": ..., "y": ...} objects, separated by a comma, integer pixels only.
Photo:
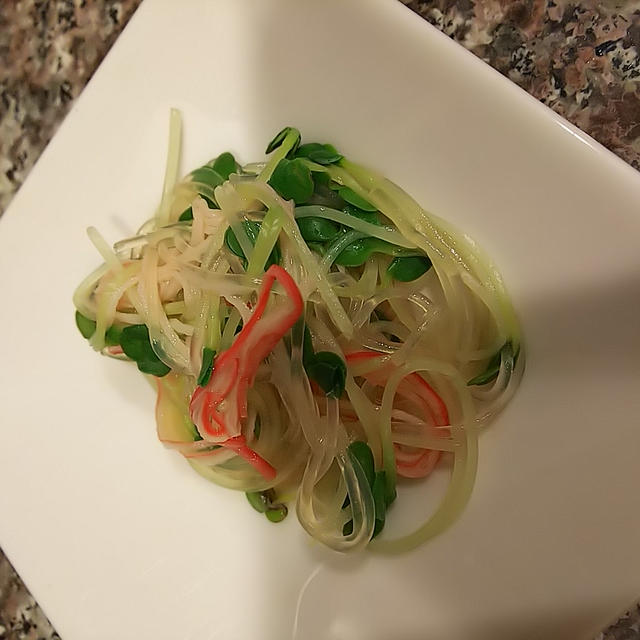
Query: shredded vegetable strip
[
  {"x": 172, "y": 168},
  {"x": 315, "y": 336}
]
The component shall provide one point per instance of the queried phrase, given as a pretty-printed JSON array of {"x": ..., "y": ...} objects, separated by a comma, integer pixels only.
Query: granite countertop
[{"x": 580, "y": 58}]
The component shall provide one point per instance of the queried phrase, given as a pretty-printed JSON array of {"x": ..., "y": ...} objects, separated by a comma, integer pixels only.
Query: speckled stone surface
[
  {"x": 48, "y": 51},
  {"x": 580, "y": 58}
]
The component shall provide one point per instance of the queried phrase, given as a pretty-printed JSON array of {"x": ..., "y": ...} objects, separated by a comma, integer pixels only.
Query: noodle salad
[{"x": 315, "y": 337}]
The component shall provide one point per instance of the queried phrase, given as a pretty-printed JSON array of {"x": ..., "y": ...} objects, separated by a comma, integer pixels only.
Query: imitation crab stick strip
[
  {"x": 218, "y": 409},
  {"x": 411, "y": 463}
]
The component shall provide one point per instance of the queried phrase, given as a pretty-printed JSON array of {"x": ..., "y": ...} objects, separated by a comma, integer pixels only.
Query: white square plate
[{"x": 117, "y": 537}]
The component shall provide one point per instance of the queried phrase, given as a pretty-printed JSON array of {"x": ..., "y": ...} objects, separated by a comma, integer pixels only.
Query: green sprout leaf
[
  {"x": 153, "y": 367},
  {"x": 329, "y": 371},
  {"x": 277, "y": 514},
  {"x": 409, "y": 268},
  {"x": 292, "y": 180},
  {"x": 258, "y": 500},
  {"x": 112, "y": 336},
  {"x": 279, "y": 139},
  {"x": 86, "y": 326},
  {"x": 358, "y": 252},
  {"x": 207, "y": 366},
  {"x": 316, "y": 229},
  {"x": 207, "y": 175},
  {"x": 136, "y": 344},
  {"x": 350, "y": 196},
  {"x": 186, "y": 215},
  {"x": 321, "y": 179},
  {"x": 371, "y": 217},
  {"x": 265, "y": 502},
  {"x": 324, "y": 154},
  {"x": 224, "y": 165}
]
